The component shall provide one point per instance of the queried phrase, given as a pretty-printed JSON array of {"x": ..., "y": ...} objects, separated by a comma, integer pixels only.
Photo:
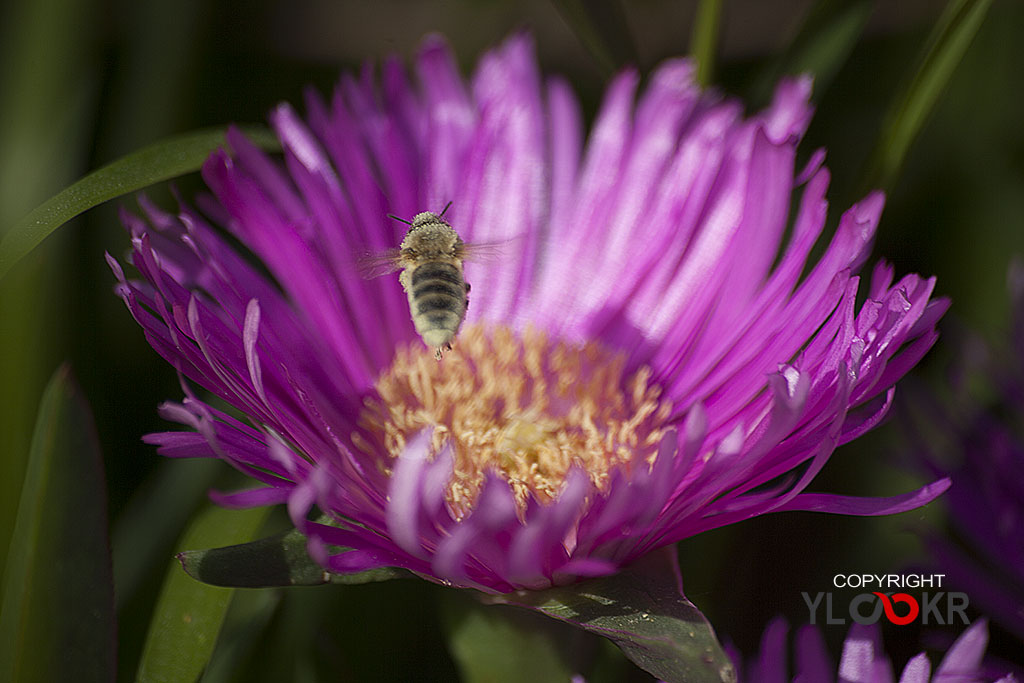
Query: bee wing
[
  {"x": 487, "y": 251},
  {"x": 380, "y": 263}
]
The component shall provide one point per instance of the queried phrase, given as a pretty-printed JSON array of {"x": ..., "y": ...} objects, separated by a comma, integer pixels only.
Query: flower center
[{"x": 525, "y": 407}]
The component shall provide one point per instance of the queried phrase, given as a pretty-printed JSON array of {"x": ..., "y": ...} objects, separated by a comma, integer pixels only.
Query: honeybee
[{"x": 430, "y": 258}]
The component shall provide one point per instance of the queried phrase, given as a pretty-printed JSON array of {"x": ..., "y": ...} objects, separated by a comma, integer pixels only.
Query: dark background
[{"x": 84, "y": 82}]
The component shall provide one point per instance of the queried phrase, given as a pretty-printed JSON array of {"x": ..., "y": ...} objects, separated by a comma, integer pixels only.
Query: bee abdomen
[
  {"x": 438, "y": 288},
  {"x": 437, "y": 297},
  {"x": 436, "y": 271},
  {"x": 434, "y": 305}
]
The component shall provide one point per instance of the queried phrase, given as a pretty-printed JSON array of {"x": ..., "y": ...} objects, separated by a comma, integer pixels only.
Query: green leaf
[
  {"x": 602, "y": 28},
  {"x": 245, "y": 627},
  {"x": 279, "y": 560},
  {"x": 822, "y": 45},
  {"x": 189, "y": 614},
  {"x": 147, "y": 529},
  {"x": 500, "y": 644},
  {"x": 160, "y": 161},
  {"x": 704, "y": 44},
  {"x": 58, "y": 599},
  {"x": 642, "y": 610},
  {"x": 946, "y": 46},
  {"x": 48, "y": 86}
]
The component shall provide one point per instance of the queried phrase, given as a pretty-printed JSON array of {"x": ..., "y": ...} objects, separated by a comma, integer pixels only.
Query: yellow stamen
[{"x": 522, "y": 406}]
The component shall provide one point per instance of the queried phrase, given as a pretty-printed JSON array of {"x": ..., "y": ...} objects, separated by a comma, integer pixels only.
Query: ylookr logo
[{"x": 932, "y": 607}]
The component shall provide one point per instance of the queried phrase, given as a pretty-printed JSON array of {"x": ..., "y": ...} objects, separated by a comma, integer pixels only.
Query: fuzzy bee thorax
[{"x": 431, "y": 241}]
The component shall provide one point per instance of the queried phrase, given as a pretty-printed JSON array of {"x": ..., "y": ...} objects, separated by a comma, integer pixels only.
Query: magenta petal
[
  {"x": 866, "y": 418},
  {"x": 588, "y": 567},
  {"x": 851, "y": 505},
  {"x": 403, "y": 512},
  {"x": 450, "y": 556},
  {"x": 790, "y": 111},
  {"x": 357, "y": 561},
  {"x": 771, "y": 667},
  {"x": 863, "y": 659},
  {"x": 252, "y": 497},
  {"x": 964, "y": 657},
  {"x": 917, "y": 670},
  {"x": 181, "y": 444},
  {"x": 812, "y": 660}
]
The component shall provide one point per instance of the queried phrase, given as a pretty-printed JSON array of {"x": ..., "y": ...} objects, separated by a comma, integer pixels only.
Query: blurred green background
[{"x": 84, "y": 82}]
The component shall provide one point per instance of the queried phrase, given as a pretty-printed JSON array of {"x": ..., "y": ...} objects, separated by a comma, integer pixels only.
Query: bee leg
[
  {"x": 437, "y": 353},
  {"x": 467, "y": 295}
]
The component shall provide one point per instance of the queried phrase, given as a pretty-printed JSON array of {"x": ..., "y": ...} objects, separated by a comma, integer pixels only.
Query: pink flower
[{"x": 646, "y": 359}]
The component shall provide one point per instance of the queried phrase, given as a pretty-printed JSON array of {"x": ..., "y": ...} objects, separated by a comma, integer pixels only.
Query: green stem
[{"x": 705, "y": 39}]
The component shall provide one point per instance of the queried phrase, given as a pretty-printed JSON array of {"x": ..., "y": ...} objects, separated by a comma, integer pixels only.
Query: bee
[{"x": 430, "y": 258}]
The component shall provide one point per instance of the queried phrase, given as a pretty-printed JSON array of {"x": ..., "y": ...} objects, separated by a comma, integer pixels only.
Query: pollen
[{"x": 523, "y": 406}]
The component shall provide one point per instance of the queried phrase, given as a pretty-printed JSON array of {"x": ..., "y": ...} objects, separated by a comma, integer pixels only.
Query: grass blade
[
  {"x": 146, "y": 532},
  {"x": 58, "y": 600},
  {"x": 160, "y": 161},
  {"x": 189, "y": 614},
  {"x": 822, "y": 45},
  {"x": 601, "y": 26},
  {"x": 48, "y": 82},
  {"x": 949, "y": 41}
]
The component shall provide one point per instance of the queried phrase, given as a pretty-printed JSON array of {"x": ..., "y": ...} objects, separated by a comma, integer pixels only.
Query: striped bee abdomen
[
  {"x": 437, "y": 299},
  {"x": 436, "y": 271}
]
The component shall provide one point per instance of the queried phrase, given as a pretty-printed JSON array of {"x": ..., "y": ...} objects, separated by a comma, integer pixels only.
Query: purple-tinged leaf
[{"x": 642, "y": 610}]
